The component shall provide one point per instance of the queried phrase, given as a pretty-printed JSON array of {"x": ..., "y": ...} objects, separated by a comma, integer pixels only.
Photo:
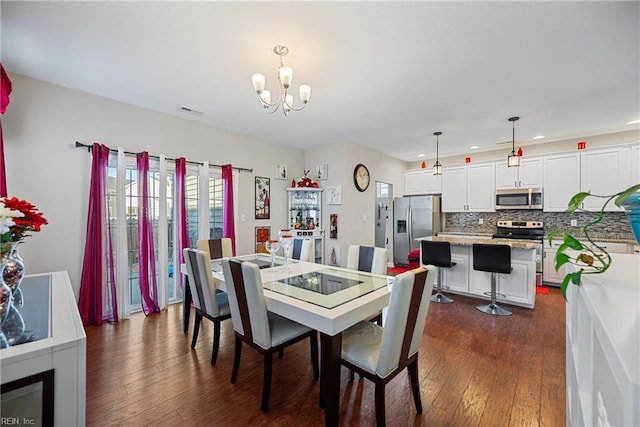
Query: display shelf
[{"x": 305, "y": 218}]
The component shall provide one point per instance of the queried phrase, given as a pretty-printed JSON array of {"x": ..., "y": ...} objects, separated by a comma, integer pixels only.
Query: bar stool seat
[
  {"x": 495, "y": 259},
  {"x": 438, "y": 254}
]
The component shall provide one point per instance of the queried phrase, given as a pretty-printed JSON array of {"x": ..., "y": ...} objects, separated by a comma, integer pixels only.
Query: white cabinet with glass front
[{"x": 305, "y": 218}]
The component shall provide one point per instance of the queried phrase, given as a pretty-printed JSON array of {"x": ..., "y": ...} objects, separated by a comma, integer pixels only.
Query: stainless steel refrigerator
[{"x": 413, "y": 217}]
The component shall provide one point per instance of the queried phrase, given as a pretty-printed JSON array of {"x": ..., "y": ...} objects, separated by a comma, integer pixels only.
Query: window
[{"x": 213, "y": 205}]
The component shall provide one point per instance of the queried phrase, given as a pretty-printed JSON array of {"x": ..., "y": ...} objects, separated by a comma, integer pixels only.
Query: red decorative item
[
  {"x": 582, "y": 145},
  {"x": 467, "y": 159},
  {"x": 293, "y": 183},
  {"x": 423, "y": 165},
  {"x": 519, "y": 151}
]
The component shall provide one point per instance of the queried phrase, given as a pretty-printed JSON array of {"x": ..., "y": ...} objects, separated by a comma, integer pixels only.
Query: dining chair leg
[
  {"x": 196, "y": 329},
  {"x": 266, "y": 382},
  {"x": 281, "y": 353},
  {"x": 237, "y": 351},
  {"x": 314, "y": 355},
  {"x": 352, "y": 375},
  {"x": 216, "y": 341},
  {"x": 412, "y": 369},
  {"x": 380, "y": 414}
]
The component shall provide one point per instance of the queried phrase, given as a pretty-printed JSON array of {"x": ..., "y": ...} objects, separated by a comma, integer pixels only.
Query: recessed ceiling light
[
  {"x": 420, "y": 155},
  {"x": 473, "y": 147},
  {"x": 538, "y": 137},
  {"x": 633, "y": 122}
]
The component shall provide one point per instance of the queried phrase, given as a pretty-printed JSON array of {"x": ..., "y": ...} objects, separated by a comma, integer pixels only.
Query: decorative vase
[
  {"x": 12, "y": 270},
  {"x": 632, "y": 207},
  {"x": 5, "y": 300},
  {"x": 13, "y": 326}
]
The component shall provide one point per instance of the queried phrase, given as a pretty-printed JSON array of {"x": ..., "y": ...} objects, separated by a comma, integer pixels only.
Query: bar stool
[
  {"x": 495, "y": 259},
  {"x": 439, "y": 255}
]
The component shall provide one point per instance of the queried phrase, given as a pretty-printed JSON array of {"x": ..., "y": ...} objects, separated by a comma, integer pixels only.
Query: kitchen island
[{"x": 517, "y": 288}]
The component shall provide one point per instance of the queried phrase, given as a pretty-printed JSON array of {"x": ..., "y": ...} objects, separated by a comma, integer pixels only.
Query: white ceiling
[{"x": 383, "y": 74}]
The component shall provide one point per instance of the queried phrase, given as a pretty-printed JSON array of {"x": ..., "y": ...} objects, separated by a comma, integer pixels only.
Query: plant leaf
[
  {"x": 561, "y": 259},
  {"x": 577, "y": 200},
  {"x": 572, "y": 242},
  {"x": 552, "y": 235},
  {"x": 576, "y": 277},
  {"x": 565, "y": 283},
  {"x": 626, "y": 193}
]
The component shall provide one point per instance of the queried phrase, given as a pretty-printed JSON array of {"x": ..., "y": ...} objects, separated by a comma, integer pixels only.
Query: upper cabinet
[
  {"x": 635, "y": 164},
  {"x": 600, "y": 171},
  {"x": 469, "y": 188},
  {"x": 561, "y": 180},
  {"x": 527, "y": 175},
  {"x": 604, "y": 171},
  {"x": 422, "y": 181}
]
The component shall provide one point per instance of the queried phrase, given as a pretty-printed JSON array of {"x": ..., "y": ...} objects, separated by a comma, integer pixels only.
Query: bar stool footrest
[{"x": 488, "y": 293}]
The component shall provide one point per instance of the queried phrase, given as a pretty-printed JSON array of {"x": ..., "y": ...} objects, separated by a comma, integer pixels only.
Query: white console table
[
  {"x": 59, "y": 345},
  {"x": 603, "y": 346}
]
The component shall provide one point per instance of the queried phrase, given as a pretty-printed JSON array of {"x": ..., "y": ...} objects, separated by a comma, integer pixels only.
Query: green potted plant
[{"x": 589, "y": 257}]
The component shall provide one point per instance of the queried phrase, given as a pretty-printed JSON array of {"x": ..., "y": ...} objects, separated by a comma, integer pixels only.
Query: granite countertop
[
  {"x": 468, "y": 240},
  {"x": 606, "y": 239}
]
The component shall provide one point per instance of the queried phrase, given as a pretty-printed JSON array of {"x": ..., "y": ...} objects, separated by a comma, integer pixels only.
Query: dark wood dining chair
[
  {"x": 260, "y": 329},
  {"x": 379, "y": 354}
]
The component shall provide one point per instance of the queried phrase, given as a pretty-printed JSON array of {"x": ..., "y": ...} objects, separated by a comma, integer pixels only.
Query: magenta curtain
[
  {"x": 5, "y": 91},
  {"x": 146, "y": 253},
  {"x": 92, "y": 279},
  {"x": 228, "y": 226},
  {"x": 181, "y": 200}
]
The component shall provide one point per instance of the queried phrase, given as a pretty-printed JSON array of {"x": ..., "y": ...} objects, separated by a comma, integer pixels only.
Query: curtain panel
[{"x": 228, "y": 223}]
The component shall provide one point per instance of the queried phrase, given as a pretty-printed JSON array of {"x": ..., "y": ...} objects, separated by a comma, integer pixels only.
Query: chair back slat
[
  {"x": 297, "y": 248},
  {"x": 407, "y": 314},
  {"x": 241, "y": 298},
  {"x": 365, "y": 258},
  {"x": 202, "y": 291},
  {"x": 257, "y": 305}
]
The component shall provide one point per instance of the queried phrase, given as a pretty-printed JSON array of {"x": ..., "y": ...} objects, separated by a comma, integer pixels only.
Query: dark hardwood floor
[{"x": 475, "y": 370}]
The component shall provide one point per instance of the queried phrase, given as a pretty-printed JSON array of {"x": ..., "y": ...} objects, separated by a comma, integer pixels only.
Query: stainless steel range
[{"x": 524, "y": 230}]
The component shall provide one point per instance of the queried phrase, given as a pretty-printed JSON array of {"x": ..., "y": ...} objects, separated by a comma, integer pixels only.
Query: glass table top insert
[{"x": 328, "y": 287}]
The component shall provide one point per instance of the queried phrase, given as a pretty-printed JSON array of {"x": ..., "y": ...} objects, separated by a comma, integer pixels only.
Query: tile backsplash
[{"x": 614, "y": 225}]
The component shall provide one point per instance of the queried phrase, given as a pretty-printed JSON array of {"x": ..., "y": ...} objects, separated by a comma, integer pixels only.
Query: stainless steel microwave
[{"x": 519, "y": 198}]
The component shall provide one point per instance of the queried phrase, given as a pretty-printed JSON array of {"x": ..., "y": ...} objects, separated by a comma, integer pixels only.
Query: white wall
[
  {"x": 342, "y": 159},
  {"x": 41, "y": 125}
]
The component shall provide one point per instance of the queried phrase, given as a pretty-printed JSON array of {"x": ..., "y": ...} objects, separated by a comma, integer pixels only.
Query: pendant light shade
[
  {"x": 513, "y": 160},
  {"x": 437, "y": 166}
]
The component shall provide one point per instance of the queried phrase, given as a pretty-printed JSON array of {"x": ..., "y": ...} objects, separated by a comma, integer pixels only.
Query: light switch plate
[
  {"x": 574, "y": 222},
  {"x": 480, "y": 221}
]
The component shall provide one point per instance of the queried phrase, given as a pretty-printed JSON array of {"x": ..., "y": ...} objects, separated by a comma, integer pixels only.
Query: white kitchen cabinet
[
  {"x": 422, "y": 181},
  {"x": 604, "y": 171},
  {"x": 456, "y": 279},
  {"x": 527, "y": 175},
  {"x": 635, "y": 164},
  {"x": 469, "y": 188},
  {"x": 561, "y": 180},
  {"x": 517, "y": 287}
]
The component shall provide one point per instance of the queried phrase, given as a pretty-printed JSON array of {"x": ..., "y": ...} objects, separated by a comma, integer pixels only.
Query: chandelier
[
  {"x": 513, "y": 160},
  {"x": 285, "y": 99},
  {"x": 437, "y": 166}
]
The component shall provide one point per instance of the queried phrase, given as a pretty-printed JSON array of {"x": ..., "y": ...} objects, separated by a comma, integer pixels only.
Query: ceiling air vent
[{"x": 190, "y": 111}]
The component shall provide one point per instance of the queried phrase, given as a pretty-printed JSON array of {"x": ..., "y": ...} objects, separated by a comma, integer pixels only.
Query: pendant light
[
  {"x": 437, "y": 167},
  {"x": 513, "y": 160}
]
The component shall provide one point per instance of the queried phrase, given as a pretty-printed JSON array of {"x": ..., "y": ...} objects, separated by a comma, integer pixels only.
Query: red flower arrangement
[{"x": 17, "y": 218}]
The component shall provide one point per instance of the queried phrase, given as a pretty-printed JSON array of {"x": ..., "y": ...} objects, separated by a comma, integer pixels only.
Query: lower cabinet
[
  {"x": 457, "y": 278},
  {"x": 518, "y": 287},
  {"x": 515, "y": 288}
]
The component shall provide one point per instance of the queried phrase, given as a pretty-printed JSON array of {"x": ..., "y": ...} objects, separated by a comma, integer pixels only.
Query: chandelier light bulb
[
  {"x": 258, "y": 82},
  {"x": 285, "y": 77}
]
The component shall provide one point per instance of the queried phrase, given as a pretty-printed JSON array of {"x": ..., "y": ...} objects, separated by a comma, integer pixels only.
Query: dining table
[{"x": 326, "y": 298}]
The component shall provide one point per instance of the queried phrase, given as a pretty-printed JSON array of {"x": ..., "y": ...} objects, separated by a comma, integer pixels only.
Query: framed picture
[
  {"x": 263, "y": 193},
  {"x": 322, "y": 172},
  {"x": 280, "y": 171},
  {"x": 333, "y": 226},
  {"x": 262, "y": 235},
  {"x": 334, "y": 195}
]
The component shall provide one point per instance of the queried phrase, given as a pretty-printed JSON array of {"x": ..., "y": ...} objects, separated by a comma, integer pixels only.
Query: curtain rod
[{"x": 113, "y": 150}]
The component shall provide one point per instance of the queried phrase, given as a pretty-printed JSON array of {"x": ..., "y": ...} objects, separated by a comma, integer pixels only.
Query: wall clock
[{"x": 361, "y": 177}]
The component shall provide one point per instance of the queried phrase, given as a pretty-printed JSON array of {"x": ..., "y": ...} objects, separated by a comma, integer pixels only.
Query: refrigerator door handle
[{"x": 409, "y": 226}]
